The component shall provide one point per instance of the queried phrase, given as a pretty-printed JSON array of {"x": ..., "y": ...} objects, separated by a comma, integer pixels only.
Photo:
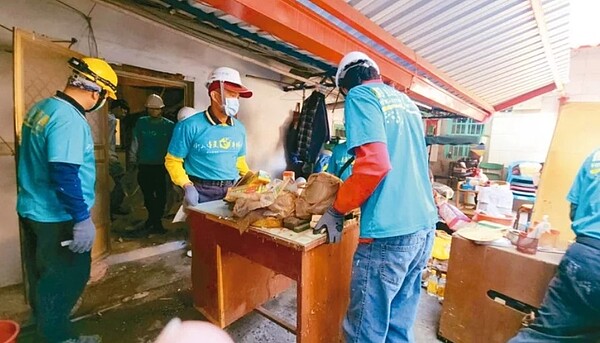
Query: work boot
[
  {"x": 142, "y": 232},
  {"x": 158, "y": 228}
]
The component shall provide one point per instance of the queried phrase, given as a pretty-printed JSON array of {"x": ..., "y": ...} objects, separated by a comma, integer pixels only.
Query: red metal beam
[
  {"x": 294, "y": 23},
  {"x": 525, "y": 97},
  {"x": 349, "y": 15}
]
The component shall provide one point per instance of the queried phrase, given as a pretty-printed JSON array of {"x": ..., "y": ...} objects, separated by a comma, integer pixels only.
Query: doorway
[{"x": 135, "y": 85}]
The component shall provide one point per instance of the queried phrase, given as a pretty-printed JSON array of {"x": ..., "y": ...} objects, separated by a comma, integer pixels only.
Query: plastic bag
[
  {"x": 283, "y": 207},
  {"x": 318, "y": 195},
  {"x": 453, "y": 217}
]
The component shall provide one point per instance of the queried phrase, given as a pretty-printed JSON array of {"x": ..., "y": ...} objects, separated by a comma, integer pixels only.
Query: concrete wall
[
  {"x": 128, "y": 40},
  {"x": 585, "y": 75},
  {"x": 526, "y": 132}
]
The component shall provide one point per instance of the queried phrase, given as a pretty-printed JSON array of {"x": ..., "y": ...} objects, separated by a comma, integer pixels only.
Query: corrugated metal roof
[{"x": 492, "y": 48}]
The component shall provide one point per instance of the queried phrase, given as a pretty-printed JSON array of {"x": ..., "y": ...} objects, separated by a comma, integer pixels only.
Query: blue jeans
[
  {"x": 385, "y": 288},
  {"x": 570, "y": 311}
]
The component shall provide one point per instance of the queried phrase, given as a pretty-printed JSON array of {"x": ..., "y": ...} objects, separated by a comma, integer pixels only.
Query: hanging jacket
[{"x": 313, "y": 131}]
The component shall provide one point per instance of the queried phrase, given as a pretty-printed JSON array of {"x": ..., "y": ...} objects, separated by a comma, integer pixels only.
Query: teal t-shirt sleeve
[
  {"x": 364, "y": 118},
  {"x": 65, "y": 140},
  {"x": 580, "y": 182},
  {"x": 181, "y": 140}
]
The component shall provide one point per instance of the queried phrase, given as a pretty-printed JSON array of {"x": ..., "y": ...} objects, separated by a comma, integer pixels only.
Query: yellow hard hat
[{"x": 97, "y": 71}]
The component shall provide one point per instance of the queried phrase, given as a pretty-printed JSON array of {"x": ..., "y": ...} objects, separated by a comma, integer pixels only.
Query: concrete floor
[
  {"x": 141, "y": 321},
  {"x": 144, "y": 322},
  {"x": 137, "y": 297}
]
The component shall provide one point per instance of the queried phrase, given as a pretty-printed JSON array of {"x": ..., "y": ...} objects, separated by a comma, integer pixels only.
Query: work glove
[
  {"x": 84, "y": 233},
  {"x": 191, "y": 195},
  {"x": 331, "y": 222}
]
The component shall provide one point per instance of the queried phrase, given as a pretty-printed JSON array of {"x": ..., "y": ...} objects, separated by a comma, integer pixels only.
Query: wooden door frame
[{"x": 157, "y": 78}]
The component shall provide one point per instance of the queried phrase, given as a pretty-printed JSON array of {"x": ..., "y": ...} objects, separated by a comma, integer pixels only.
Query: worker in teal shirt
[
  {"x": 390, "y": 184},
  {"x": 151, "y": 137},
  {"x": 56, "y": 179},
  {"x": 570, "y": 311},
  {"x": 208, "y": 150},
  {"x": 338, "y": 160}
]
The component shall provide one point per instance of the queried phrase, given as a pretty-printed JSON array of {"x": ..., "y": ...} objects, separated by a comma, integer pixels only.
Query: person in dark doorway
[
  {"x": 151, "y": 137},
  {"x": 56, "y": 177},
  {"x": 118, "y": 110},
  {"x": 208, "y": 150},
  {"x": 390, "y": 183},
  {"x": 570, "y": 311}
]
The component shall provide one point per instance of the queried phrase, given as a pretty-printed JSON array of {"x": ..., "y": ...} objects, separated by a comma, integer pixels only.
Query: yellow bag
[{"x": 441, "y": 245}]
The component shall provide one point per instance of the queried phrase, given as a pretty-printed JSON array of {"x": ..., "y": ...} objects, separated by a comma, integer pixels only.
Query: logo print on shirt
[
  {"x": 36, "y": 121},
  {"x": 393, "y": 105},
  {"x": 223, "y": 144}
]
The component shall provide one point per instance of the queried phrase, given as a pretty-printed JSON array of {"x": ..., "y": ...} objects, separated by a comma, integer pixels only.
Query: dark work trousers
[
  {"x": 116, "y": 172},
  {"x": 210, "y": 193},
  {"x": 56, "y": 276},
  {"x": 152, "y": 181},
  {"x": 570, "y": 311}
]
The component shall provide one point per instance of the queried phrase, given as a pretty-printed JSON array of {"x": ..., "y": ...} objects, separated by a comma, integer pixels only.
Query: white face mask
[
  {"x": 232, "y": 106},
  {"x": 98, "y": 105}
]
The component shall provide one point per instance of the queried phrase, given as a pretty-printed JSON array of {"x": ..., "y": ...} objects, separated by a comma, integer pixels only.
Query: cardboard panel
[{"x": 575, "y": 137}]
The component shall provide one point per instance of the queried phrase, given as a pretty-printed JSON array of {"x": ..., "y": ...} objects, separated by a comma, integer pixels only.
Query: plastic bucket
[{"x": 8, "y": 331}]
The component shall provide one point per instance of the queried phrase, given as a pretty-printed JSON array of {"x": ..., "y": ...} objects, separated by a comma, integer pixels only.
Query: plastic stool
[{"x": 525, "y": 208}]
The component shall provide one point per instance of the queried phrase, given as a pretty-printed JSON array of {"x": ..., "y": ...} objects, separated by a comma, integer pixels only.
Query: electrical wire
[
  {"x": 92, "y": 44},
  {"x": 6, "y": 27}
]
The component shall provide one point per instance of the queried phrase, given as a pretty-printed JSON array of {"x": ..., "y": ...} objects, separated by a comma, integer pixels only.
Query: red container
[
  {"x": 527, "y": 245},
  {"x": 8, "y": 331}
]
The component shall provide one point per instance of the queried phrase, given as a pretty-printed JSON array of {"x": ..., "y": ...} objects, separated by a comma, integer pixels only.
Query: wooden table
[
  {"x": 234, "y": 274},
  {"x": 481, "y": 282}
]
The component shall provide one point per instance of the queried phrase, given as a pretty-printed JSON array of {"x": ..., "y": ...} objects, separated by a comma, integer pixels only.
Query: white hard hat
[
  {"x": 154, "y": 101},
  {"x": 348, "y": 60},
  {"x": 231, "y": 79},
  {"x": 185, "y": 112}
]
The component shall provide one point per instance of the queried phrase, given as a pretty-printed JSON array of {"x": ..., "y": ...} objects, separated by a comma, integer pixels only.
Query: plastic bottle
[
  {"x": 541, "y": 228},
  {"x": 441, "y": 287},
  {"x": 432, "y": 284}
]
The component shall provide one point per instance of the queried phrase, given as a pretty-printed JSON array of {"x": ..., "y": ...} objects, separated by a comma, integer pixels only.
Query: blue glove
[
  {"x": 191, "y": 195},
  {"x": 84, "y": 233},
  {"x": 331, "y": 222}
]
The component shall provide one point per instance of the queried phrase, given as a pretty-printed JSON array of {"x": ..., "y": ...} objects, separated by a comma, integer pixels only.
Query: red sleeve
[{"x": 371, "y": 166}]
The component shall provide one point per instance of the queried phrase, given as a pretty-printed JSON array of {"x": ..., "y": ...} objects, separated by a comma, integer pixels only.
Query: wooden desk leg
[{"x": 323, "y": 290}]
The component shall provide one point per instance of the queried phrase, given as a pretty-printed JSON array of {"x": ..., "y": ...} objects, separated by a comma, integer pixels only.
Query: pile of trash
[{"x": 258, "y": 200}]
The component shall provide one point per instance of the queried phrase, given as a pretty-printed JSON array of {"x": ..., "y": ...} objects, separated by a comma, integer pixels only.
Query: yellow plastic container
[{"x": 441, "y": 245}]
